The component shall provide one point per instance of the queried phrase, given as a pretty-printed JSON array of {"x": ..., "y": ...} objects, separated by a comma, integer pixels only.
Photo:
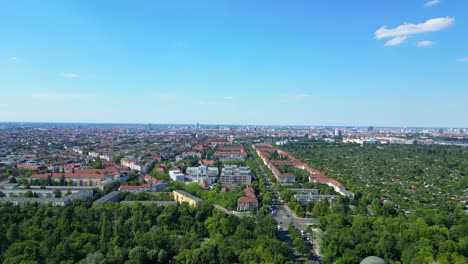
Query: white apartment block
[
  {"x": 132, "y": 164},
  {"x": 233, "y": 175},
  {"x": 177, "y": 175},
  {"x": 203, "y": 174}
]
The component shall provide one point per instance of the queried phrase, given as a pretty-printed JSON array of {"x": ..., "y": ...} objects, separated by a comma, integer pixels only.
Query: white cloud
[
  {"x": 396, "y": 41},
  {"x": 425, "y": 43},
  {"x": 70, "y": 75},
  {"x": 62, "y": 95},
  {"x": 432, "y": 3},
  {"x": 400, "y": 33},
  {"x": 462, "y": 59},
  {"x": 228, "y": 97}
]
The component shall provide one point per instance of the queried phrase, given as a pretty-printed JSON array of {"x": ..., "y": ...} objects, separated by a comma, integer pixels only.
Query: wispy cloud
[
  {"x": 465, "y": 59},
  {"x": 70, "y": 75},
  {"x": 228, "y": 97},
  {"x": 396, "y": 41},
  {"x": 425, "y": 43},
  {"x": 62, "y": 95},
  {"x": 432, "y": 3},
  {"x": 400, "y": 33}
]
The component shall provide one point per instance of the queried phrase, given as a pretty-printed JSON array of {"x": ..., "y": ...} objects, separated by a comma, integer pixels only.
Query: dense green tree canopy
[{"x": 119, "y": 233}]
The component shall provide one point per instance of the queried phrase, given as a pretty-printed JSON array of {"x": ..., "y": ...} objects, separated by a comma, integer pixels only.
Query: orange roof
[
  {"x": 246, "y": 199},
  {"x": 129, "y": 187},
  {"x": 204, "y": 186},
  {"x": 68, "y": 175},
  {"x": 134, "y": 187},
  {"x": 103, "y": 171},
  {"x": 249, "y": 192},
  {"x": 30, "y": 167}
]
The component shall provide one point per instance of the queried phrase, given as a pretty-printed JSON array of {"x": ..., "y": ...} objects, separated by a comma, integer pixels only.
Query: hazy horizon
[{"x": 223, "y": 124}]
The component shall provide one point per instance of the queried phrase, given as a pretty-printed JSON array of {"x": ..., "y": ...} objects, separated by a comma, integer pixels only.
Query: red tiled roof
[
  {"x": 134, "y": 187},
  {"x": 108, "y": 170},
  {"x": 29, "y": 155},
  {"x": 31, "y": 167},
  {"x": 264, "y": 150},
  {"x": 207, "y": 162},
  {"x": 249, "y": 192},
  {"x": 68, "y": 175},
  {"x": 149, "y": 178},
  {"x": 246, "y": 199}
]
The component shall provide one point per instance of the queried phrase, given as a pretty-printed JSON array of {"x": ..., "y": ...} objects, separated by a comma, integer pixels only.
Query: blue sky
[{"x": 324, "y": 62}]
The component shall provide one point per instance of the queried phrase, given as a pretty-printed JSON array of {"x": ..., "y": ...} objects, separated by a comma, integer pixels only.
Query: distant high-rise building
[
  {"x": 337, "y": 132},
  {"x": 197, "y": 126},
  {"x": 370, "y": 129}
]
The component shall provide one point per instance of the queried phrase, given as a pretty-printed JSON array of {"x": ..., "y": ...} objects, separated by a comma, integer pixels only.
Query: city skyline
[{"x": 363, "y": 63}]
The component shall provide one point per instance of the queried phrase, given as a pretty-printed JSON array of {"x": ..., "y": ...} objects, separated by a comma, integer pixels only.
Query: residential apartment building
[
  {"x": 177, "y": 175},
  {"x": 132, "y": 164},
  {"x": 307, "y": 198},
  {"x": 203, "y": 174},
  {"x": 46, "y": 196},
  {"x": 159, "y": 185},
  {"x": 265, "y": 150},
  {"x": 246, "y": 203},
  {"x": 83, "y": 177},
  {"x": 230, "y": 152},
  {"x": 184, "y": 197},
  {"x": 147, "y": 187},
  {"x": 233, "y": 175}
]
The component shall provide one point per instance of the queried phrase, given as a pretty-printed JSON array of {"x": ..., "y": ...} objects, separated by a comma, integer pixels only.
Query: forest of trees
[
  {"x": 119, "y": 233},
  {"x": 425, "y": 236},
  {"x": 410, "y": 176},
  {"x": 410, "y": 206}
]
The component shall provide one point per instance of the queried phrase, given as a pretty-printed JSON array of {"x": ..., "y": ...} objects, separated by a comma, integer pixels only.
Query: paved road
[{"x": 284, "y": 216}]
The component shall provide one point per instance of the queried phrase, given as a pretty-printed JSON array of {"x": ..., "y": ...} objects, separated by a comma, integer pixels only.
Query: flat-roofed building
[
  {"x": 114, "y": 196},
  {"x": 68, "y": 199},
  {"x": 203, "y": 174},
  {"x": 185, "y": 197},
  {"x": 233, "y": 175},
  {"x": 307, "y": 198},
  {"x": 177, "y": 175},
  {"x": 304, "y": 191}
]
